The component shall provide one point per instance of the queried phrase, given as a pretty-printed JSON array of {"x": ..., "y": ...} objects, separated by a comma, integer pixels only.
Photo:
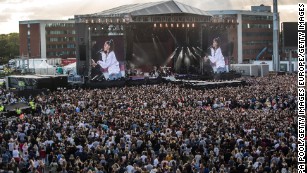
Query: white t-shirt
[
  {"x": 143, "y": 157},
  {"x": 50, "y": 142},
  {"x": 198, "y": 158},
  {"x": 11, "y": 146},
  {"x": 179, "y": 133},
  {"x": 156, "y": 162},
  {"x": 15, "y": 153},
  {"x": 130, "y": 169}
]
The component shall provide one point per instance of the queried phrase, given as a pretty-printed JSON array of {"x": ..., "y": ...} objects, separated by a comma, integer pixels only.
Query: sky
[{"x": 13, "y": 11}]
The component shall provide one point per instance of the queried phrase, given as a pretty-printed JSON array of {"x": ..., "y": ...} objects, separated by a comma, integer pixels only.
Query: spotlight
[
  {"x": 183, "y": 25},
  {"x": 172, "y": 25},
  {"x": 155, "y": 25},
  {"x": 89, "y": 28},
  {"x": 166, "y": 25},
  {"x": 160, "y": 25},
  {"x": 193, "y": 25},
  {"x": 177, "y": 25},
  {"x": 188, "y": 25}
]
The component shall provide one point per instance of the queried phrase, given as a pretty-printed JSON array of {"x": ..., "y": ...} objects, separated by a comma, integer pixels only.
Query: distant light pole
[
  {"x": 89, "y": 52},
  {"x": 275, "y": 37}
]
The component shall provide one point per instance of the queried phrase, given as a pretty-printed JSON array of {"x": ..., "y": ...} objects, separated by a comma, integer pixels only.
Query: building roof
[
  {"x": 152, "y": 8},
  {"x": 46, "y": 21},
  {"x": 246, "y": 12}
]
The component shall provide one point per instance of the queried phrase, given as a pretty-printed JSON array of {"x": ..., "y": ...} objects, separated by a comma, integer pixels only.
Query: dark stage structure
[
  {"x": 168, "y": 35},
  {"x": 36, "y": 82},
  {"x": 152, "y": 41}
]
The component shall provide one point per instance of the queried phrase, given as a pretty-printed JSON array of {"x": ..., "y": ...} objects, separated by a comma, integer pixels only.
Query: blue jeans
[
  {"x": 115, "y": 76},
  {"x": 221, "y": 69}
]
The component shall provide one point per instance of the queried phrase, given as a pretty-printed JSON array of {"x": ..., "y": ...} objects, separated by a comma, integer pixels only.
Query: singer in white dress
[
  {"x": 109, "y": 61},
  {"x": 216, "y": 57}
]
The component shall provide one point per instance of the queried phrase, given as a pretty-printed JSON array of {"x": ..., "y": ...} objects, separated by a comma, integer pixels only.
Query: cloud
[
  {"x": 4, "y": 17},
  {"x": 15, "y": 2}
]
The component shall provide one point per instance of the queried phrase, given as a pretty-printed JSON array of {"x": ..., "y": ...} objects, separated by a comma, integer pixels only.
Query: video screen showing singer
[
  {"x": 108, "y": 61},
  {"x": 216, "y": 57}
]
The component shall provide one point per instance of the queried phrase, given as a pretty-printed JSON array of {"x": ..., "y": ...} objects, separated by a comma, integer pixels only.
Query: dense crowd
[{"x": 161, "y": 128}]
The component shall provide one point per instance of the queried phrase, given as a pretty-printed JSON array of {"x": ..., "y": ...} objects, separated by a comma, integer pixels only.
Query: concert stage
[
  {"x": 26, "y": 83},
  {"x": 33, "y": 82},
  {"x": 210, "y": 76},
  {"x": 198, "y": 83},
  {"x": 210, "y": 85},
  {"x": 194, "y": 81},
  {"x": 123, "y": 82}
]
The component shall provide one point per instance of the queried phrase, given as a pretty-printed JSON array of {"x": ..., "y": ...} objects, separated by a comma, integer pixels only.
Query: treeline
[{"x": 9, "y": 47}]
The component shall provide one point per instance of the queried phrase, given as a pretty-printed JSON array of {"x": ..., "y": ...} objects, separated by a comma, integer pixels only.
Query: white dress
[
  {"x": 217, "y": 58},
  {"x": 110, "y": 62}
]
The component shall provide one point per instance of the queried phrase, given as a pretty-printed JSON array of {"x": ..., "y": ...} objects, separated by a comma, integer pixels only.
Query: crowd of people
[{"x": 161, "y": 128}]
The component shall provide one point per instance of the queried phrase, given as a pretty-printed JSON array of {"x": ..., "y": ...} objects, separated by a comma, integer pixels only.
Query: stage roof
[{"x": 152, "y": 8}]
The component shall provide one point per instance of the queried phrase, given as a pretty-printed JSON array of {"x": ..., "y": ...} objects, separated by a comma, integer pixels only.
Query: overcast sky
[{"x": 13, "y": 11}]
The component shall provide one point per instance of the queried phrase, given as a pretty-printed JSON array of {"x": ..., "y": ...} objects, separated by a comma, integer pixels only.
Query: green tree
[{"x": 9, "y": 47}]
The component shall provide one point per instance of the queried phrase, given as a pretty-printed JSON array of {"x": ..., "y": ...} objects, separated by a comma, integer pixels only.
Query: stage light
[
  {"x": 183, "y": 25},
  {"x": 99, "y": 20},
  {"x": 188, "y": 25},
  {"x": 89, "y": 28},
  {"x": 172, "y": 25},
  {"x": 160, "y": 25},
  {"x": 193, "y": 25},
  {"x": 95, "y": 29},
  {"x": 102, "y": 28},
  {"x": 177, "y": 25},
  {"x": 155, "y": 25},
  {"x": 166, "y": 25},
  {"x": 92, "y": 21}
]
